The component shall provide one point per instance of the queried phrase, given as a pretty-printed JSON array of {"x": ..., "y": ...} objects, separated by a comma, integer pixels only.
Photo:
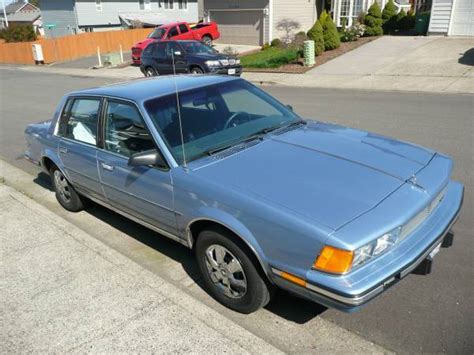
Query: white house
[
  {"x": 63, "y": 17},
  {"x": 452, "y": 18}
]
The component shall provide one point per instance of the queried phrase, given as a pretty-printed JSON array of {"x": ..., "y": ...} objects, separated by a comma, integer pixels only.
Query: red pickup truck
[{"x": 204, "y": 31}]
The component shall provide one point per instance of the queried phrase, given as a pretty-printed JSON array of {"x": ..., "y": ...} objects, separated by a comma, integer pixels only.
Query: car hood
[
  {"x": 328, "y": 173},
  {"x": 142, "y": 44},
  {"x": 208, "y": 56}
]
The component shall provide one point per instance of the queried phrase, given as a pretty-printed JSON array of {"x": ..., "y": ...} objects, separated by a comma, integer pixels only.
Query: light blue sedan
[{"x": 263, "y": 197}]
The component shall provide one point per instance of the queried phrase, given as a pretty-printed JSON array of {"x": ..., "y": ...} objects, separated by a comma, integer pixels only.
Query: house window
[
  {"x": 98, "y": 5},
  {"x": 144, "y": 4},
  {"x": 169, "y": 4},
  {"x": 182, "y": 4}
]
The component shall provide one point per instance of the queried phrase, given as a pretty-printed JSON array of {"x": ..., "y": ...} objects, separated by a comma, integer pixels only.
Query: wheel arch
[
  {"x": 194, "y": 65},
  {"x": 241, "y": 234}
]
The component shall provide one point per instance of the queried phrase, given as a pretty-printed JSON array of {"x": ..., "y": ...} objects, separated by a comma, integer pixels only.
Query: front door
[
  {"x": 146, "y": 192},
  {"x": 176, "y": 57},
  {"x": 77, "y": 146}
]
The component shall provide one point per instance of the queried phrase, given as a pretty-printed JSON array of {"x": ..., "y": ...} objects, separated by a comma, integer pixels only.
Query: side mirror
[
  {"x": 148, "y": 157},
  {"x": 177, "y": 53},
  {"x": 290, "y": 107}
]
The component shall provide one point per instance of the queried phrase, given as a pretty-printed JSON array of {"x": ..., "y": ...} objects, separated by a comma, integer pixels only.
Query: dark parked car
[{"x": 189, "y": 57}]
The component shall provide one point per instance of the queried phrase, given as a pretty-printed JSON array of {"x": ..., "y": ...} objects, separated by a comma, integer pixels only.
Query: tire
[
  {"x": 233, "y": 280},
  {"x": 65, "y": 193},
  {"x": 207, "y": 40},
  {"x": 150, "y": 72},
  {"x": 196, "y": 71}
]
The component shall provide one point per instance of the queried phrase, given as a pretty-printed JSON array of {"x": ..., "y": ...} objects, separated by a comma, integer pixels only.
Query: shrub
[
  {"x": 389, "y": 17},
  {"x": 410, "y": 21},
  {"x": 323, "y": 17},
  {"x": 402, "y": 21},
  {"x": 18, "y": 33},
  {"x": 352, "y": 33},
  {"x": 361, "y": 17},
  {"x": 373, "y": 21},
  {"x": 316, "y": 34},
  {"x": 289, "y": 27},
  {"x": 276, "y": 42},
  {"x": 330, "y": 34},
  {"x": 265, "y": 46},
  {"x": 229, "y": 50}
]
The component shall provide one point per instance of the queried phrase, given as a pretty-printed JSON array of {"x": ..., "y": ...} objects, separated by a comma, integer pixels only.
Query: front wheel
[
  {"x": 149, "y": 72},
  {"x": 229, "y": 274},
  {"x": 196, "y": 71},
  {"x": 207, "y": 40}
]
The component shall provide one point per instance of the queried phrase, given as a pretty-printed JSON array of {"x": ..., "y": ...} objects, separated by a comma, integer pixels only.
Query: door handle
[
  {"x": 63, "y": 150},
  {"x": 107, "y": 166}
]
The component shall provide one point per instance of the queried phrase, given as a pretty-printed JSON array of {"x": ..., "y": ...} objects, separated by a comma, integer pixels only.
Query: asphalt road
[{"x": 421, "y": 314}]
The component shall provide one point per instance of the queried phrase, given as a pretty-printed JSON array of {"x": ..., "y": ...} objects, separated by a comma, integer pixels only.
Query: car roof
[{"x": 141, "y": 90}]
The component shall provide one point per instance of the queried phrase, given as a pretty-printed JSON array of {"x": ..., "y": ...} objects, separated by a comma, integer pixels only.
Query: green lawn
[{"x": 272, "y": 57}]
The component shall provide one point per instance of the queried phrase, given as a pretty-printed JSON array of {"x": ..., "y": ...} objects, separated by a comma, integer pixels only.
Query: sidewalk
[
  {"x": 415, "y": 64},
  {"x": 64, "y": 291}
]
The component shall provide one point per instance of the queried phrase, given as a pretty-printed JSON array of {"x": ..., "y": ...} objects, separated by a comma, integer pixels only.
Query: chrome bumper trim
[{"x": 400, "y": 274}]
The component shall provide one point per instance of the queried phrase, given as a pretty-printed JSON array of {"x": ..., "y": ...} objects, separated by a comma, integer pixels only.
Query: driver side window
[
  {"x": 125, "y": 132},
  {"x": 237, "y": 101}
]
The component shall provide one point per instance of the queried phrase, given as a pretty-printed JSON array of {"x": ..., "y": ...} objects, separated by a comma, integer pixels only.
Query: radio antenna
[{"x": 178, "y": 108}]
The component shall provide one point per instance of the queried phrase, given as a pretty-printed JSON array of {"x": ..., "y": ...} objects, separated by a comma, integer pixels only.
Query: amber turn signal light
[{"x": 334, "y": 260}]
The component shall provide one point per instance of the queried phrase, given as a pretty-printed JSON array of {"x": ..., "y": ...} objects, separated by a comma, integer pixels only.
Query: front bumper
[
  {"x": 417, "y": 249},
  {"x": 225, "y": 70}
]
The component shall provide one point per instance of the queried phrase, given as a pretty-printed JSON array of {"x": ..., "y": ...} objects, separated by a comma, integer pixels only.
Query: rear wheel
[
  {"x": 196, "y": 71},
  {"x": 65, "y": 193},
  {"x": 207, "y": 40},
  {"x": 229, "y": 274},
  {"x": 149, "y": 72}
]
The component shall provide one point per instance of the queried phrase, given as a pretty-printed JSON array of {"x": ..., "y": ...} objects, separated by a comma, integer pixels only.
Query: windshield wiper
[{"x": 257, "y": 135}]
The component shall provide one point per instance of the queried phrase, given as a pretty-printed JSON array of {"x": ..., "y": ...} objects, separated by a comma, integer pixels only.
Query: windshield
[
  {"x": 157, "y": 33},
  {"x": 215, "y": 117},
  {"x": 197, "y": 47}
]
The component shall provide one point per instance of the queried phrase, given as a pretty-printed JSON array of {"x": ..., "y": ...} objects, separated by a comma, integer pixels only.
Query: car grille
[
  {"x": 136, "y": 50},
  {"x": 408, "y": 228}
]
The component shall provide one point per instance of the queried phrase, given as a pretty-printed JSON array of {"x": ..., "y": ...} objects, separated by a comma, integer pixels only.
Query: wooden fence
[{"x": 71, "y": 47}]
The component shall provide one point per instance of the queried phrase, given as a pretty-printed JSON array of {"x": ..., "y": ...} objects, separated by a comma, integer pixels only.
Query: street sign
[{"x": 50, "y": 26}]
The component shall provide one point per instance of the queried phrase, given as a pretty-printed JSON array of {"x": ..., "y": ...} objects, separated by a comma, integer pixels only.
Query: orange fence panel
[{"x": 72, "y": 47}]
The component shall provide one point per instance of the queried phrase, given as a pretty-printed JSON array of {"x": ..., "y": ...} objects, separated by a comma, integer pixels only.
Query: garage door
[
  {"x": 463, "y": 18},
  {"x": 239, "y": 27}
]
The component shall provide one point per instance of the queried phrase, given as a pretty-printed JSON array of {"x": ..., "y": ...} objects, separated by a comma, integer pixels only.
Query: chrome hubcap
[
  {"x": 149, "y": 73},
  {"x": 62, "y": 186},
  {"x": 225, "y": 271}
]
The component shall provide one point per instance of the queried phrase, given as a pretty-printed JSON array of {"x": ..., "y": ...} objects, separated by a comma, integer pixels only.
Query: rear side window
[
  {"x": 172, "y": 32},
  {"x": 183, "y": 28},
  {"x": 79, "y": 122}
]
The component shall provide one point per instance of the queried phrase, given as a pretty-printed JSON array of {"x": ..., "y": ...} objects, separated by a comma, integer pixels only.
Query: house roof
[
  {"x": 153, "y": 19},
  {"x": 14, "y": 7},
  {"x": 25, "y": 16}
]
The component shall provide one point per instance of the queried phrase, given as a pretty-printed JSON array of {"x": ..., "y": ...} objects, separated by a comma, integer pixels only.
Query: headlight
[
  {"x": 224, "y": 62},
  {"x": 339, "y": 261},
  {"x": 212, "y": 63}
]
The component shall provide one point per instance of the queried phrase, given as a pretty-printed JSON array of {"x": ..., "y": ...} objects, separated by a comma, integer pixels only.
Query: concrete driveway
[{"x": 433, "y": 64}]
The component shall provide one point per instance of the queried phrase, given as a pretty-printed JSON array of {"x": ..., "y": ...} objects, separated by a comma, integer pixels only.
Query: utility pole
[{"x": 5, "y": 13}]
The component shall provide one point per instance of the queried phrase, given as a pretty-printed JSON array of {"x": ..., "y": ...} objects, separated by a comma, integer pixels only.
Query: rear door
[
  {"x": 160, "y": 59},
  {"x": 77, "y": 147},
  {"x": 176, "y": 54},
  {"x": 146, "y": 192}
]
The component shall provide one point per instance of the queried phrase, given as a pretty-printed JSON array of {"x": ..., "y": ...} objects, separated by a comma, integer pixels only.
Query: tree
[
  {"x": 289, "y": 27},
  {"x": 35, "y": 3},
  {"x": 330, "y": 34},
  {"x": 316, "y": 34},
  {"x": 373, "y": 21},
  {"x": 389, "y": 17}
]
